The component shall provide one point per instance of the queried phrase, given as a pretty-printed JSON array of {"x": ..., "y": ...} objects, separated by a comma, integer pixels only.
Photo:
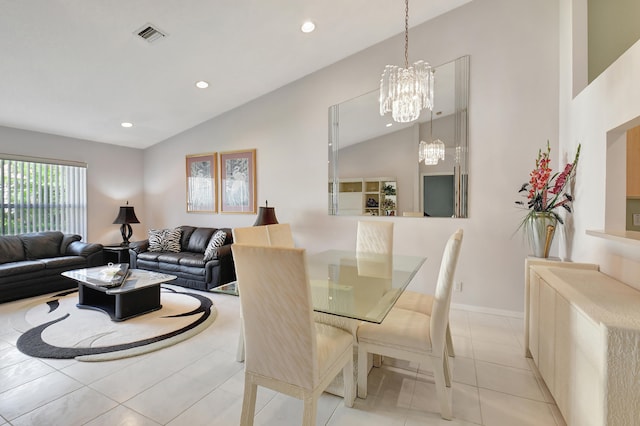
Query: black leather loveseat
[
  {"x": 187, "y": 261},
  {"x": 31, "y": 264}
]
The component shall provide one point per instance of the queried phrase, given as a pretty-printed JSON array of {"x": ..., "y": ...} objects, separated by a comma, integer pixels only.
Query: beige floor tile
[
  {"x": 34, "y": 394},
  {"x": 514, "y": 381},
  {"x": 500, "y": 354},
  {"x": 75, "y": 408},
  {"x": 168, "y": 398},
  {"x": 500, "y": 409},
  {"x": 22, "y": 372},
  {"x": 121, "y": 416}
]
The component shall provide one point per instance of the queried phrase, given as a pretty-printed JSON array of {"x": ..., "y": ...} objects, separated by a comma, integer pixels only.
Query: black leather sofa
[
  {"x": 31, "y": 264},
  {"x": 188, "y": 264}
]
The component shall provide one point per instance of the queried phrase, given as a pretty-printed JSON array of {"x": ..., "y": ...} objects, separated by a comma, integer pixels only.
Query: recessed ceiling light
[
  {"x": 202, "y": 84},
  {"x": 389, "y": 124},
  {"x": 127, "y": 125},
  {"x": 307, "y": 27}
]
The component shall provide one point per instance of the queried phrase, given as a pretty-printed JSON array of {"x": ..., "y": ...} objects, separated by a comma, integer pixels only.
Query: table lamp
[
  {"x": 266, "y": 215},
  {"x": 126, "y": 215}
]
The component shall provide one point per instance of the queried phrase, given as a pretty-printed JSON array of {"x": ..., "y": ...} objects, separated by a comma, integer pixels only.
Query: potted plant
[{"x": 546, "y": 193}]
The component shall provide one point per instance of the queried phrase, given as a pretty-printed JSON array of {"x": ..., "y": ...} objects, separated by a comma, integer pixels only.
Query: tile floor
[{"x": 198, "y": 382}]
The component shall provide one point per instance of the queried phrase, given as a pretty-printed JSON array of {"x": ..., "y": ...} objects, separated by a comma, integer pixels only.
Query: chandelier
[
  {"x": 406, "y": 91},
  {"x": 433, "y": 151}
]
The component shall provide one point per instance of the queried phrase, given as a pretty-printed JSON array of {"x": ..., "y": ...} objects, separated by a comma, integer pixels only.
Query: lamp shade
[
  {"x": 126, "y": 215},
  {"x": 266, "y": 216}
]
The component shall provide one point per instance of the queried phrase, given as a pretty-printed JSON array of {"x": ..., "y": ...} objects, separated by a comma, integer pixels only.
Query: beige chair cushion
[
  {"x": 402, "y": 329},
  {"x": 330, "y": 343},
  {"x": 414, "y": 301}
]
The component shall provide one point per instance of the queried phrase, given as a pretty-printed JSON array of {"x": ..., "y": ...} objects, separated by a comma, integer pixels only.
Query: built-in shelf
[{"x": 629, "y": 237}]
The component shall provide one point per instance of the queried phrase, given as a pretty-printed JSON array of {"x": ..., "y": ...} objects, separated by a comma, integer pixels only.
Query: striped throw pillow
[
  {"x": 165, "y": 240},
  {"x": 217, "y": 240}
]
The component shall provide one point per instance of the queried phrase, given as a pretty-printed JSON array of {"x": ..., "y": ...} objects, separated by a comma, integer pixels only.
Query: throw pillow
[
  {"x": 165, "y": 240},
  {"x": 217, "y": 240}
]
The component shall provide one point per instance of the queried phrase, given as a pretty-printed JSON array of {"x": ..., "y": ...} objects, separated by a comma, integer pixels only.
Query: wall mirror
[{"x": 373, "y": 161}]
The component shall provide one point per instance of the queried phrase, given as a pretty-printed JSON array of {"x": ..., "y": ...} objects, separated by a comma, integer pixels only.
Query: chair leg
[
  {"x": 240, "y": 350},
  {"x": 248, "y": 402},
  {"x": 349, "y": 385},
  {"x": 447, "y": 370},
  {"x": 443, "y": 391},
  {"x": 452, "y": 354},
  {"x": 310, "y": 411},
  {"x": 363, "y": 370}
]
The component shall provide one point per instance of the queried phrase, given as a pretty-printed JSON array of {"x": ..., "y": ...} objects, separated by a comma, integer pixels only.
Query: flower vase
[{"x": 541, "y": 229}]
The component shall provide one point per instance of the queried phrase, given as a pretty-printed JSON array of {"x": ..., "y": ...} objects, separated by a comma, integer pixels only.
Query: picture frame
[
  {"x": 238, "y": 182},
  {"x": 201, "y": 183}
]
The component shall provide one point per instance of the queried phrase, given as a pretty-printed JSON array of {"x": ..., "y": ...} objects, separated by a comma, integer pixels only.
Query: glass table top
[
  {"x": 136, "y": 279},
  {"x": 362, "y": 286}
]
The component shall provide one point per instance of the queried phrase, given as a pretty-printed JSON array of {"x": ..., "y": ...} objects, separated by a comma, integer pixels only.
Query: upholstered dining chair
[
  {"x": 286, "y": 350},
  {"x": 420, "y": 302},
  {"x": 374, "y": 237},
  {"x": 268, "y": 235},
  {"x": 417, "y": 336}
]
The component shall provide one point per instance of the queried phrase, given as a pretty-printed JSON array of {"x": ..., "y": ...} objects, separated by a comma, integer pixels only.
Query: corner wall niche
[{"x": 622, "y": 184}]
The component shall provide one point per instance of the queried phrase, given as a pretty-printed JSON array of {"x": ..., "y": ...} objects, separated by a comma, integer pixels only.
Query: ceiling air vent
[{"x": 150, "y": 33}]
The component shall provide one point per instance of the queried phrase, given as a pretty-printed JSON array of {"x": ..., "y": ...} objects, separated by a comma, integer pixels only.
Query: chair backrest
[
  {"x": 253, "y": 235},
  {"x": 275, "y": 297},
  {"x": 442, "y": 298},
  {"x": 374, "y": 237},
  {"x": 280, "y": 235}
]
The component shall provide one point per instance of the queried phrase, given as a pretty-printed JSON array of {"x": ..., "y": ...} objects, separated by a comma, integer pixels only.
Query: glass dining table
[{"x": 359, "y": 286}]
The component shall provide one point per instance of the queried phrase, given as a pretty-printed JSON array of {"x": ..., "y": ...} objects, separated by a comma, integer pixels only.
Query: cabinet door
[
  {"x": 546, "y": 345},
  {"x": 564, "y": 368},
  {"x": 587, "y": 393},
  {"x": 534, "y": 315}
]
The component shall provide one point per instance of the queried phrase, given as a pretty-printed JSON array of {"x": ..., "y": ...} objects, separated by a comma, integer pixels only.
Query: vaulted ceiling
[{"x": 78, "y": 68}]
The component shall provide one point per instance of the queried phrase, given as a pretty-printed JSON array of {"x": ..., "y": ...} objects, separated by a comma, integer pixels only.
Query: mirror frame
[{"x": 460, "y": 146}]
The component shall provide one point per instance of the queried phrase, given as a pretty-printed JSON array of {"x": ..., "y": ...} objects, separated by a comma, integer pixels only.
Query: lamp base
[{"x": 126, "y": 232}]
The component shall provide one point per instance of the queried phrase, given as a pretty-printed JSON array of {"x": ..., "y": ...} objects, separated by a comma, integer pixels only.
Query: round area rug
[{"x": 53, "y": 327}]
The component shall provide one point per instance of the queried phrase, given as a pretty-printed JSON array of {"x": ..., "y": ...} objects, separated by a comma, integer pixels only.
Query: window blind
[{"x": 42, "y": 195}]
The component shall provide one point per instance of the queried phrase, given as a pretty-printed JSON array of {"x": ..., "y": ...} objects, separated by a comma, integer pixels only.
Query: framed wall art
[
  {"x": 238, "y": 182},
  {"x": 201, "y": 183}
]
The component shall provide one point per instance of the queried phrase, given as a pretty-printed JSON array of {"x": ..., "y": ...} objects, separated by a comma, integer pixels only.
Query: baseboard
[{"x": 483, "y": 310}]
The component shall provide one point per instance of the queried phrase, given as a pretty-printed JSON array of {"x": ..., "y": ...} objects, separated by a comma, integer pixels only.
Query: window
[{"x": 42, "y": 195}]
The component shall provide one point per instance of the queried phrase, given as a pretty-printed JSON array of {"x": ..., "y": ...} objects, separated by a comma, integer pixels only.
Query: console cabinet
[{"x": 583, "y": 333}]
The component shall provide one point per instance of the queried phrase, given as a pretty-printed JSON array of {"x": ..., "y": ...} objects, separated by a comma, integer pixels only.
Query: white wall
[
  {"x": 114, "y": 175},
  {"x": 513, "y": 110},
  {"x": 609, "y": 105}
]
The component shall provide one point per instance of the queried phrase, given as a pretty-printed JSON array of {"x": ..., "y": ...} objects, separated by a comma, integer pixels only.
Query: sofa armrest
[
  {"x": 139, "y": 246},
  {"x": 224, "y": 251},
  {"x": 78, "y": 248},
  {"x": 91, "y": 251}
]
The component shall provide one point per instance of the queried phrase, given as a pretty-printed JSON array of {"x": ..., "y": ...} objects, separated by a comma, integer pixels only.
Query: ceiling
[{"x": 77, "y": 68}]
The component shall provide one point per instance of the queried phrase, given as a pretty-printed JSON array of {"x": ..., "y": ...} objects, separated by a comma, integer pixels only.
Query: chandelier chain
[{"x": 406, "y": 34}]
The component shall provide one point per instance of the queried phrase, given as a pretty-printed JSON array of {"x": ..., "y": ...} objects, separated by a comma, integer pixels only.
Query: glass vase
[{"x": 541, "y": 227}]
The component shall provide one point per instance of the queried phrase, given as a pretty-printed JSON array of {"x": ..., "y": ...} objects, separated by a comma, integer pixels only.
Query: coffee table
[{"x": 139, "y": 294}]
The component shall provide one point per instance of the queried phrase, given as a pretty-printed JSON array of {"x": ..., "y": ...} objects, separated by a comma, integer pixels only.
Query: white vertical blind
[{"x": 42, "y": 195}]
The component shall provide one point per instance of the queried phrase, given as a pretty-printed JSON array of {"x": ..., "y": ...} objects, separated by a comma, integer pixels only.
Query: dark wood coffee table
[{"x": 138, "y": 295}]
